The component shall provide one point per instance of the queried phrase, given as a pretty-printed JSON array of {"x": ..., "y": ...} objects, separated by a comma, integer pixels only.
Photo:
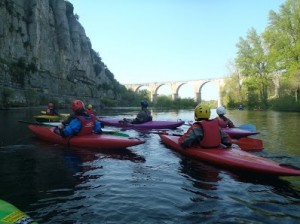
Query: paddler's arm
[
  {"x": 97, "y": 127},
  {"x": 225, "y": 139}
]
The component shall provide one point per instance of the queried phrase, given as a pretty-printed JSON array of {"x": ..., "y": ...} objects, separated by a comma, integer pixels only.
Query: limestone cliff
[{"x": 45, "y": 54}]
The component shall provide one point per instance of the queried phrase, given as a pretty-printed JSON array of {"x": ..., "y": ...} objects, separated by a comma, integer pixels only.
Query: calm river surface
[{"x": 148, "y": 183}]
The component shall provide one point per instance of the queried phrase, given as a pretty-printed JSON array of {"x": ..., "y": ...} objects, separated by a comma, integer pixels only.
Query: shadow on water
[{"x": 41, "y": 171}]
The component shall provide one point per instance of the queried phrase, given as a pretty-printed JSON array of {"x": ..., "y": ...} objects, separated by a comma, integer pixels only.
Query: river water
[{"x": 147, "y": 183}]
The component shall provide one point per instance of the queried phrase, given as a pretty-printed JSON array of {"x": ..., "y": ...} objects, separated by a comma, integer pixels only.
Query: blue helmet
[{"x": 144, "y": 104}]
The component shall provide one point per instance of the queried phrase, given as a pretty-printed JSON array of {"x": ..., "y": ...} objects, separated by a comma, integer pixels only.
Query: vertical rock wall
[{"x": 45, "y": 54}]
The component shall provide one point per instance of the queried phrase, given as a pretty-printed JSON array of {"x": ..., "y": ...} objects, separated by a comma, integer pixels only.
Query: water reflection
[
  {"x": 45, "y": 173},
  {"x": 148, "y": 183},
  {"x": 237, "y": 196},
  {"x": 202, "y": 175},
  {"x": 205, "y": 176},
  {"x": 27, "y": 173}
]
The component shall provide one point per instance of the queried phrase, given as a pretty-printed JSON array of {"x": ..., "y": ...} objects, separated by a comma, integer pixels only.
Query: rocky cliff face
[{"x": 45, "y": 55}]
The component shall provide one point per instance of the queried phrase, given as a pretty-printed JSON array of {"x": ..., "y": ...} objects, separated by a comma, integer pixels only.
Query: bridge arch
[{"x": 175, "y": 87}]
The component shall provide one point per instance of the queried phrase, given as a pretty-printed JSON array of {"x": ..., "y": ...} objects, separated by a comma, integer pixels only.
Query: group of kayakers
[
  {"x": 81, "y": 122},
  {"x": 51, "y": 110},
  {"x": 84, "y": 121},
  {"x": 204, "y": 131}
]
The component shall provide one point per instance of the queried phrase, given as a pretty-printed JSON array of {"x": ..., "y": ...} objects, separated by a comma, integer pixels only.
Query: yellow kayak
[
  {"x": 10, "y": 214},
  {"x": 48, "y": 118},
  {"x": 63, "y": 115}
]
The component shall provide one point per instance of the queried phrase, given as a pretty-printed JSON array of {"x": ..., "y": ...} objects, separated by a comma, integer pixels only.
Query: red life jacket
[
  {"x": 222, "y": 123},
  {"x": 87, "y": 126},
  {"x": 90, "y": 111},
  {"x": 211, "y": 134}
]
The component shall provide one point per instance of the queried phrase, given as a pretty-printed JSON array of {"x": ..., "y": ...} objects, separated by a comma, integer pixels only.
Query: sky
[{"x": 143, "y": 41}]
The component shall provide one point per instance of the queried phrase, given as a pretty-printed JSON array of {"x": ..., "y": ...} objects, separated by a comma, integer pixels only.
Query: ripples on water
[{"x": 148, "y": 183}]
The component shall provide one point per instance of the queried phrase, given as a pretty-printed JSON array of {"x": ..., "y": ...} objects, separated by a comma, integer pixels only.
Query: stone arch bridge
[{"x": 175, "y": 87}]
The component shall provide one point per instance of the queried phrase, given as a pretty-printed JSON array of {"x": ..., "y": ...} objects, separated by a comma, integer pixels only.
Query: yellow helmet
[
  {"x": 90, "y": 106},
  {"x": 202, "y": 112}
]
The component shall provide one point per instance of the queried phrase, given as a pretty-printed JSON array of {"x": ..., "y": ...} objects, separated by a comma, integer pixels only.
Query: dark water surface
[{"x": 148, "y": 183}]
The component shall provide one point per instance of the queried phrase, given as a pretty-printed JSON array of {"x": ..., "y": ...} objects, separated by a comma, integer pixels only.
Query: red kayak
[
  {"x": 238, "y": 132},
  {"x": 92, "y": 141},
  {"x": 147, "y": 125},
  {"x": 232, "y": 158}
]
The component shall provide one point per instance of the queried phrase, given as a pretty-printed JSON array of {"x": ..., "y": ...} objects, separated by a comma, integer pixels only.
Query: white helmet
[{"x": 221, "y": 110}]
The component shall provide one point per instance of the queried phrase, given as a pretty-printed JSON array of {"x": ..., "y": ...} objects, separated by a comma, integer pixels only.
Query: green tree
[
  {"x": 232, "y": 92},
  {"x": 283, "y": 39},
  {"x": 6, "y": 96},
  {"x": 252, "y": 62}
]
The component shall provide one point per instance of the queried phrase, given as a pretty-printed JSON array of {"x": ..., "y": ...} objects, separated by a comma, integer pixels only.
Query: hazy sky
[{"x": 169, "y": 40}]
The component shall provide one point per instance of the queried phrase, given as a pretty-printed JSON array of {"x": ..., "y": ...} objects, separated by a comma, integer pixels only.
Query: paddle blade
[
  {"x": 121, "y": 134},
  {"x": 249, "y": 144},
  {"x": 248, "y": 127}
]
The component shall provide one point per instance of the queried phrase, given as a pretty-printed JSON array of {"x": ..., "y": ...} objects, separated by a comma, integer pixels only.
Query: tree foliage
[
  {"x": 283, "y": 38},
  {"x": 252, "y": 62},
  {"x": 269, "y": 61}
]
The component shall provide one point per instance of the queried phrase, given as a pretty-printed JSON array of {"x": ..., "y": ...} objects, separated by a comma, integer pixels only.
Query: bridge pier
[
  {"x": 198, "y": 97},
  {"x": 154, "y": 97},
  {"x": 174, "y": 96}
]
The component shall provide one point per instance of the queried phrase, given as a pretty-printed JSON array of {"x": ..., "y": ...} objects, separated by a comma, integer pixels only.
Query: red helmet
[
  {"x": 50, "y": 105},
  {"x": 77, "y": 105}
]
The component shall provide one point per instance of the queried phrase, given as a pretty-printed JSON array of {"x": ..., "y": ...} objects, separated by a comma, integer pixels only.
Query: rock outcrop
[{"x": 46, "y": 55}]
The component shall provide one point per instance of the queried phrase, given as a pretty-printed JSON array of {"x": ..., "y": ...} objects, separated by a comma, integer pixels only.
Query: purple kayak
[
  {"x": 238, "y": 132},
  {"x": 147, "y": 125}
]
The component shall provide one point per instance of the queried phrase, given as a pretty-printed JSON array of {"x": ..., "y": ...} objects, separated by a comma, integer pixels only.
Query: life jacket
[
  {"x": 49, "y": 111},
  {"x": 223, "y": 123},
  {"x": 211, "y": 134},
  {"x": 90, "y": 111},
  {"x": 87, "y": 125}
]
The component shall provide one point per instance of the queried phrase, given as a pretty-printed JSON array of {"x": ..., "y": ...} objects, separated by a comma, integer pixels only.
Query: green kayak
[{"x": 11, "y": 214}]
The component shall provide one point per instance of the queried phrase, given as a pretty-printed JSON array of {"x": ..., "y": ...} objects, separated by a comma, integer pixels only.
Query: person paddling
[
  {"x": 143, "y": 116},
  {"x": 204, "y": 132},
  {"x": 80, "y": 123},
  {"x": 224, "y": 122},
  {"x": 90, "y": 110},
  {"x": 51, "y": 110}
]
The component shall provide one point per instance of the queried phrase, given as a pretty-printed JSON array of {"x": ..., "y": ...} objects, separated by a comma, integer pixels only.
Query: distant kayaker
[
  {"x": 144, "y": 115},
  {"x": 89, "y": 110},
  {"x": 204, "y": 132},
  {"x": 224, "y": 122},
  {"x": 51, "y": 110},
  {"x": 80, "y": 123}
]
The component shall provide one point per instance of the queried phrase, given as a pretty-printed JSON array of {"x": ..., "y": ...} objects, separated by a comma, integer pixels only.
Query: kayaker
[
  {"x": 204, "y": 132},
  {"x": 80, "y": 123},
  {"x": 51, "y": 110},
  {"x": 89, "y": 110},
  {"x": 144, "y": 115},
  {"x": 224, "y": 122}
]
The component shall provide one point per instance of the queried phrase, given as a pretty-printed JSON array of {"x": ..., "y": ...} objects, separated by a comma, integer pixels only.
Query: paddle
[
  {"x": 248, "y": 127},
  {"x": 249, "y": 144},
  {"x": 38, "y": 123},
  {"x": 245, "y": 143},
  {"x": 55, "y": 124},
  {"x": 61, "y": 115}
]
